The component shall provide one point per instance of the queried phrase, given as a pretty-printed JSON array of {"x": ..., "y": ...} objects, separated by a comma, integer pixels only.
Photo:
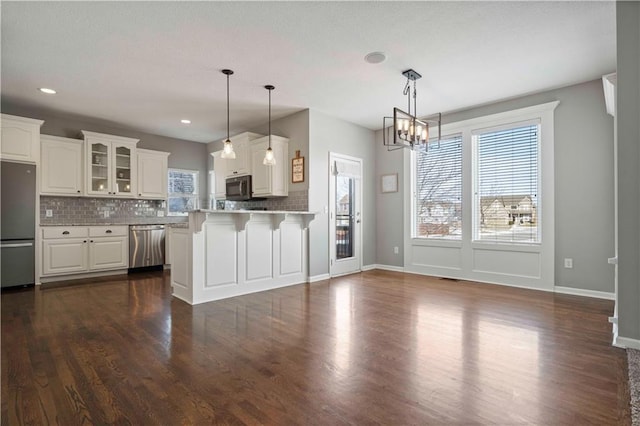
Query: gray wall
[
  {"x": 628, "y": 129},
  {"x": 328, "y": 134},
  {"x": 584, "y": 200},
  {"x": 184, "y": 154}
]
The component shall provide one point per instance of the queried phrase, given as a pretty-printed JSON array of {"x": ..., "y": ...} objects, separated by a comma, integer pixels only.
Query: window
[
  {"x": 438, "y": 193},
  {"x": 506, "y": 182},
  {"x": 183, "y": 191}
]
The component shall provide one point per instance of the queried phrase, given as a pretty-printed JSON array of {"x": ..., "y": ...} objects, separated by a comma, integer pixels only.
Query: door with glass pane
[{"x": 345, "y": 188}]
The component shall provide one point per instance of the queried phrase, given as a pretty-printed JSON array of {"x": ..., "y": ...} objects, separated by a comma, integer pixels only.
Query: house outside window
[
  {"x": 183, "y": 191},
  {"x": 507, "y": 184},
  {"x": 438, "y": 190}
]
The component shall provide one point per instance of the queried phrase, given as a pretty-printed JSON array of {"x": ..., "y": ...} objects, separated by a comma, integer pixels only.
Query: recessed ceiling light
[
  {"x": 47, "y": 91},
  {"x": 185, "y": 121},
  {"x": 375, "y": 57}
]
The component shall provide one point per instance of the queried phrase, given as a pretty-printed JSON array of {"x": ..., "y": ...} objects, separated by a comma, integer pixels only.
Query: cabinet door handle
[
  {"x": 91, "y": 241},
  {"x": 78, "y": 191},
  {"x": 84, "y": 241},
  {"x": 65, "y": 232},
  {"x": 108, "y": 231}
]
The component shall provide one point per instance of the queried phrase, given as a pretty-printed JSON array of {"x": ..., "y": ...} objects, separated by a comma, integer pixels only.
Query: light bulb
[
  {"x": 425, "y": 134},
  {"x": 269, "y": 159},
  {"x": 418, "y": 132},
  {"x": 227, "y": 151},
  {"x": 405, "y": 125}
]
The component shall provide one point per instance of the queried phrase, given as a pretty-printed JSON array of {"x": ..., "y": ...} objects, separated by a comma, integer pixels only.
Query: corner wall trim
[
  {"x": 626, "y": 342},
  {"x": 586, "y": 293},
  {"x": 368, "y": 267},
  {"x": 320, "y": 277}
]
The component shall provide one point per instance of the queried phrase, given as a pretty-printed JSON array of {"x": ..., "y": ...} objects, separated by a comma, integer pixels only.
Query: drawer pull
[
  {"x": 65, "y": 233},
  {"x": 108, "y": 231}
]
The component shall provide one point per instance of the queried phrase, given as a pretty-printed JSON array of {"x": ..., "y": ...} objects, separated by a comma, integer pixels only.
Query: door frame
[{"x": 359, "y": 191}]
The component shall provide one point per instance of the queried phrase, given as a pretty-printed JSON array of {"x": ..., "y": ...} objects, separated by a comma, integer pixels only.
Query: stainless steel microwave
[{"x": 239, "y": 188}]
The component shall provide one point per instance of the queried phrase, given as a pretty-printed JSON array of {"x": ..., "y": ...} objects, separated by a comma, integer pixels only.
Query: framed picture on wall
[
  {"x": 297, "y": 168},
  {"x": 389, "y": 183}
]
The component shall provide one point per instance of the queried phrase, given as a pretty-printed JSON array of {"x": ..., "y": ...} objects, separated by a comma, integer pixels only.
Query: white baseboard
[
  {"x": 368, "y": 267},
  {"x": 586, "y": 293},
  {"x": 389, "y": 268},
  {"x": 626, "y": 342},
  {"x": 317, "y": 278}
]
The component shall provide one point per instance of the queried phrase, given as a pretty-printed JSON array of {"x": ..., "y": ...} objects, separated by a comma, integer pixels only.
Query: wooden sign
[{"x": 297, "y": 168}]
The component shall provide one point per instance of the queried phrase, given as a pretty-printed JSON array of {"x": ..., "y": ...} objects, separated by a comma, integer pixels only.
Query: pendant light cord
[
  {"x": 227, "y": 106},
  {"x": 269, "y": 118}
]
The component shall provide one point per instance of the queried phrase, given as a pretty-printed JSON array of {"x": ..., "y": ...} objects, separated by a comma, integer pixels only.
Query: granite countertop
[
  {"x": 149, "y": 222},
  {"x": 253, "y": 211}
]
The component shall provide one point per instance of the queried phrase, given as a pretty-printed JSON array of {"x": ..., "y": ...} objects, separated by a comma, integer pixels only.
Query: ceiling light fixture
[
  {"x": 185, "y": 121},
  {"x": 409, "y": 131},
  {"x": 227, "y": 151},
  {"x": 47, "y": 91},
  {"x": 375, "y": 57},
  {"x": 269, "y": 159}
]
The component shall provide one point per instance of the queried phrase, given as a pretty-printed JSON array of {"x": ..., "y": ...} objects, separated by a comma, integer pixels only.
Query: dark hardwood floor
[{"x": 371, "y": 348}]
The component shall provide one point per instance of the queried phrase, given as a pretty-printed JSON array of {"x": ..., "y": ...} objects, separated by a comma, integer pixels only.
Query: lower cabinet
[{"x": 79, "y": 249}]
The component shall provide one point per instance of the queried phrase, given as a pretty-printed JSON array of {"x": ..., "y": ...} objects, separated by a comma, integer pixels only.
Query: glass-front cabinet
[{"x": 111, "y": 165}]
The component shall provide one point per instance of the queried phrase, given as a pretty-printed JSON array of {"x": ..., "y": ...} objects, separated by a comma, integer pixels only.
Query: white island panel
[
  {"x": 259, "y": 239},
  {"x": 230, "y": 253},
  {"x": 221, "y": 252}
]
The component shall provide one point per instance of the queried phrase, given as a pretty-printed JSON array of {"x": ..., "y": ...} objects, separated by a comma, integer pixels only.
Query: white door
[{"x": 345, "y": 219}]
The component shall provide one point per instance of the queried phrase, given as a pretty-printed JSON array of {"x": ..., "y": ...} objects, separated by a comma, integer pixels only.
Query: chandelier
[{"x": 408, "y": 130}]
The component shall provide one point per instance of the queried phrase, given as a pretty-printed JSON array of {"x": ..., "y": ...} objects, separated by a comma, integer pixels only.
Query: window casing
[
  {"x": 438, "y": 190},
  {"x": 183, "y": 191}
]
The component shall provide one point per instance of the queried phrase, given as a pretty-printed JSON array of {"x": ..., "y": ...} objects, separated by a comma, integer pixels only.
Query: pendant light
[
  {"x": 269, "y": 159},
  {"x": 227, "y": 151}
]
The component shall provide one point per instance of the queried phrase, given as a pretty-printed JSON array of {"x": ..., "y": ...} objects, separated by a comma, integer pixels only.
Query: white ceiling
[{"x": 147, "y": 65}]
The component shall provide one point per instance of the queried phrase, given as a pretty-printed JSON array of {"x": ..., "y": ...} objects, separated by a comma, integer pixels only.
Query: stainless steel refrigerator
[{"x": 18, "y": 223}]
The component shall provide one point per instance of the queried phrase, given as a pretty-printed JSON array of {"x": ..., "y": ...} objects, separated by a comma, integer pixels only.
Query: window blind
[
  {"x": 507, "y": 184},
  {"x": 439, "y": 190}
]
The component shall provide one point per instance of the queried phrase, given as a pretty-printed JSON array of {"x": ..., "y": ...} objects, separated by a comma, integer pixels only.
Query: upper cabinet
[
  {"x": 61, "y": 166},
  {"x": 110, "y": 165},
  {"x": 242, "y": 163},
  {"x": 270, "y": 181},
  {"x": 220, "y": 175},
  {"x": 20, "y": 139},
  {"x": 152, "y": 174}
]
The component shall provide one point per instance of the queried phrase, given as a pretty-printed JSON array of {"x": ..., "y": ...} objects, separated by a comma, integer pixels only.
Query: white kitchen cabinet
[
  {"x": 152, "y": 174},
  {"x": 68, "y": 250},
  {"x": 20, "y": 139},
  {"x": 242, "y": 163},
  {"x": 108, "y": 253},
  {"x": 270, "y": 181},
  {"x": 64, "y": 256},
  {"x": 110, "y": 165},
  {"x": 220, "y": 175},
  {"x": 61, "y": 166}
]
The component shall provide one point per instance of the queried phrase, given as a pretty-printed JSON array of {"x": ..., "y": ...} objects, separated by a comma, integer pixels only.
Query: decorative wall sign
[
  {"x": 390, "y": 183},
  {"x": 297, "y": 168}
]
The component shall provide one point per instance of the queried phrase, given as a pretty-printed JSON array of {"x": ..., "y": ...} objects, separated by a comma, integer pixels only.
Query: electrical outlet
[
  {"x": 49, "y": 213},
  {"x": 106, "y": 214},
  {"x": 160, "y": 213},
  {"x": 396, "y": 250},
  {"x": 568, "y": 263}
]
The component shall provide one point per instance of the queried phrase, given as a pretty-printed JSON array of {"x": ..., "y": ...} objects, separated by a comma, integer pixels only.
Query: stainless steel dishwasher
[{"x": 146, "y": 245}]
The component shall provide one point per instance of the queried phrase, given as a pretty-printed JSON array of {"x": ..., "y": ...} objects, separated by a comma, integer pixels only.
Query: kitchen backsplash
[
  {"x": 296, "y": 201},
  {"x": 83, "y": 210}
]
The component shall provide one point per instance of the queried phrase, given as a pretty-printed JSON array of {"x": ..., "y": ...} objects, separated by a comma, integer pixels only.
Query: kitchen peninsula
[{"x": 226, "y": 253}]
